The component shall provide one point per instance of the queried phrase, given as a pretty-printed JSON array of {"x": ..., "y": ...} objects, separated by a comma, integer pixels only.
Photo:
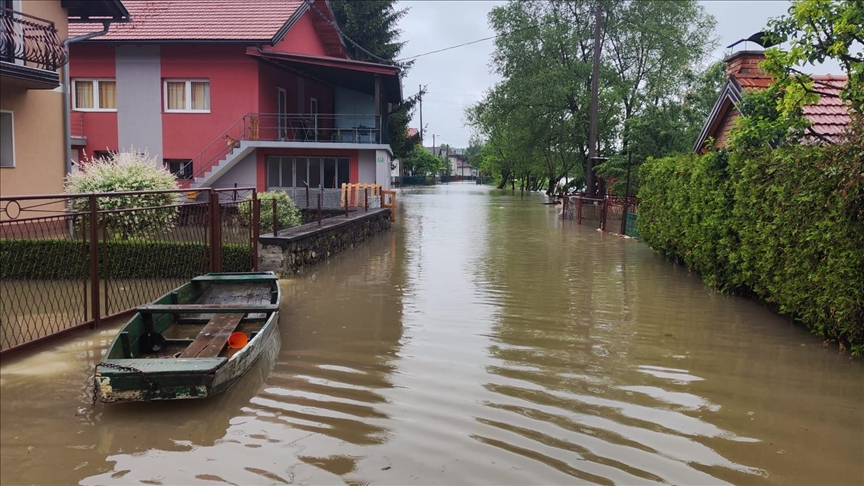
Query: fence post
[
  {"x": 307, "y": 195},
  {"x": 215, "y": 233},
  {"x": 94, "y": 261},
  {"x": 624, "y": 217},
  {"x": 275, "y": 219},
  {"x": 578, "y": 209},
  {"x": 319, "y": 210},
  {"x": 346, "y": 201},
  {"x": 366, "y": 199},
  {"x": 603, "y": 213},
  {"x": 256, "y": 214}
]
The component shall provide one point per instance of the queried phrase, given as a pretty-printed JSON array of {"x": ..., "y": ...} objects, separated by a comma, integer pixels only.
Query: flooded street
[{"x": 482, "y": 341}]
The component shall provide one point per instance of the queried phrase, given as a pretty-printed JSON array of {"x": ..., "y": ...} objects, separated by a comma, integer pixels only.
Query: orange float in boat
[{"x": 237, "y": 340}]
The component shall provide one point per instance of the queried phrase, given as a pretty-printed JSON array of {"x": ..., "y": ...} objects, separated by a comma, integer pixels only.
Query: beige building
[{"x": 33, "y": 56}]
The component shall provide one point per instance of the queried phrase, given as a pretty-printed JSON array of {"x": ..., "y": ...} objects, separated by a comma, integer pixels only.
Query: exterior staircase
[{"x": 218, "y": 169}]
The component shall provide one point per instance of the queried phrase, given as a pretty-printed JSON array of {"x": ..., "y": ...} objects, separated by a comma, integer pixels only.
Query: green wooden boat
[{"x": 178, "y": 346}]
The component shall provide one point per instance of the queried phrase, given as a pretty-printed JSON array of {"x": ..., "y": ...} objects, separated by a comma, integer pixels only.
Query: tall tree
[
  {"x": 544, "y": 56},
  {"x": 373, "y": 35}
]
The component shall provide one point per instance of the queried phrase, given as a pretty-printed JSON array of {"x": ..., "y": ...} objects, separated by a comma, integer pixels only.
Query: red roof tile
[
  {"x": 208, "y": 20},
  {"x": 829, "y": 117}
]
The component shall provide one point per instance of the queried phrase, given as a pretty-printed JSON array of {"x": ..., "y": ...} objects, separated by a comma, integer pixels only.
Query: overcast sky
[{"x": 457, "y": 78}]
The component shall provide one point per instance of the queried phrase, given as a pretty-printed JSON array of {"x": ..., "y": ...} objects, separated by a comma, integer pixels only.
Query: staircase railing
[{"x": 217, "y": 149}]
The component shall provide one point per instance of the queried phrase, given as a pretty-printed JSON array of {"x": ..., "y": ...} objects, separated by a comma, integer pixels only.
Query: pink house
[{"x": 232, "y": 92}]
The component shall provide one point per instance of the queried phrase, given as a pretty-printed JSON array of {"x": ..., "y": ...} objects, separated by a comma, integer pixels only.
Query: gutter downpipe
[{"x": 67, "y": 116}]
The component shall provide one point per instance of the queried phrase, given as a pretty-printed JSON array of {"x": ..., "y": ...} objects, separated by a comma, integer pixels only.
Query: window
[
  {"x": 187, "y": 96},
  {"x": 95, "y": 95},
  {"x": 7, "y": 140},
  {"x": 285, "y": 171},
  {"x": 181, "y": 168}
]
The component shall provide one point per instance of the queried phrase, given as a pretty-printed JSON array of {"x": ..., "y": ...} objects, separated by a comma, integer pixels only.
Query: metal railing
[
  {"x": 30, "y": 39},
  {"x": 608, "y": 213},
  {"x": 73, "y": 260},
  {"x": 288, "y": 127}
]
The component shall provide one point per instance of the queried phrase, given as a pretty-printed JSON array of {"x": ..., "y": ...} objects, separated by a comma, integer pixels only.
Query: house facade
[
  {"x": 828, "y": 117},
  {"x": 230, "y": 92},
  {"x": 33, "y": 54}
]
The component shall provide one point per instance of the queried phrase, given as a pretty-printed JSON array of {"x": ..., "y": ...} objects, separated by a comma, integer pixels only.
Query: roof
[
  {"x": 358, "y": 75},
  {"x": 828, "y": 117},
  {"x": 202, "y": 20},
  {"x": 412, "y": 132},
  {"x": 95, "y": 11}
]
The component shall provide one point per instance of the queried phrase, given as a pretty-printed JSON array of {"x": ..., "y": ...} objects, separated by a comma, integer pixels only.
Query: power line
[{"x": 336, "y": 26}]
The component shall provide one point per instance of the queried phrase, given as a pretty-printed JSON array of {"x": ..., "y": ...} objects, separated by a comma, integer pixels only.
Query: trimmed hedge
[
  {"x": 785, "y": 225},
  {"x": 67, "y": 259}
]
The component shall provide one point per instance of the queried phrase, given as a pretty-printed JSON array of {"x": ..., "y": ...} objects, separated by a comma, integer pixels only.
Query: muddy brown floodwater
[{"x": 482, "y": 341}]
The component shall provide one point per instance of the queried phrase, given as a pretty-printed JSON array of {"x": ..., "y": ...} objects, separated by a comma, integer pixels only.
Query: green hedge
[
  {"x": 785, "y": 225},
  {"x": 66, "y": 259}
]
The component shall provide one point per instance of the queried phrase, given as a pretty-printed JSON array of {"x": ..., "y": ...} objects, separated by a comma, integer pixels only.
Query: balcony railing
[
  {"x": 313, "y": 128},
  {"x": 291, "y": 127},
  {"x": 30, "y": 39}
]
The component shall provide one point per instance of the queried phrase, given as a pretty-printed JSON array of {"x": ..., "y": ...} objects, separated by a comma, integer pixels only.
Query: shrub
[
  {"x": 288, "y": 213},
  {"x": 786, "y": 225},
  {"x": 58, "y": 259},
  {"x": 121, "y": 172}
]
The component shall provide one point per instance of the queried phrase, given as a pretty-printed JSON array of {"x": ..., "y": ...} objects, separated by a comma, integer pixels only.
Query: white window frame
[
  {"x": 95, "y": 82},
  {"x": 188, "y": 95},
  {"x": 12, "y": 120}
]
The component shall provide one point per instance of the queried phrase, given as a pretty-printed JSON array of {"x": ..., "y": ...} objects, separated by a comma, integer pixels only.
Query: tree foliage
[
  {"x": 536, "y": 119},
  {"x": 817, "y": 30},
  {"x": 421, "y": 162},
  {"x": 373, "y": 25}
]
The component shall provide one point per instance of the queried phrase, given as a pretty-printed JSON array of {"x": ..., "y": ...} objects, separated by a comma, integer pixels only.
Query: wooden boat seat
[{"x": 214, "y": 336}]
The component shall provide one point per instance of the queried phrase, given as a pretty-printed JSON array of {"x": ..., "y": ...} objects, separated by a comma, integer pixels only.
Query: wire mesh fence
[{"x": 72, "y": 260}]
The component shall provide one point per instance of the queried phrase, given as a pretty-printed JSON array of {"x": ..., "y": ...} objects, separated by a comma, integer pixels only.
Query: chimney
[{"x": 745, "y": 64}]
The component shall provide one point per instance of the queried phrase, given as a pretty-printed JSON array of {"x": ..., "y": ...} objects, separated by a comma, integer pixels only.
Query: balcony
[
  {"x": 314, "y": 128},
  {"x": 30, "y": 51}
]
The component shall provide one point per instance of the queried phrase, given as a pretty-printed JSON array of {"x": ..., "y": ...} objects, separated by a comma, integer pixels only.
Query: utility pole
[
  {"x": 595, "y": 101},
  {"x": 420, "y": 97}
]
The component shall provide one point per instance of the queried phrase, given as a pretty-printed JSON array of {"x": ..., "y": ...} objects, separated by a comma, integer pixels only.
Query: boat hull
[{"x": 135, "y": 380}]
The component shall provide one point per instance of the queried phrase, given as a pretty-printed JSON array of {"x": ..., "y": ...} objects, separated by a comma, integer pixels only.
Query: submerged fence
[
  {"x": 72, "y": 260},
  {"x": 609, "y": 213}
]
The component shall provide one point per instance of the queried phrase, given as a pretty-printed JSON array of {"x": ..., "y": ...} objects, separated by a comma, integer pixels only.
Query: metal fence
[
  {"x": 609, "y": 213},
  {"x": 68, "y": 261}
]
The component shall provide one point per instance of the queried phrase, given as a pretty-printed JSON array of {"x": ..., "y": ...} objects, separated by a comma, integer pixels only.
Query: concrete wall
[
  {"x": 382, "y": 168},
  {"x": 290, "y": 255},
  {"x": 37, "y": 117},
  {"x": 245, "y": 173},
  {"x": 139, "y": 99},
  {"x": 366, "y": 167}
]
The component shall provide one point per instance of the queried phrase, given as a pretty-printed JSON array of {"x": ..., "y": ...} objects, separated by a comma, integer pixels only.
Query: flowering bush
[
  {"x": 288, "y": 213},
  {"x": 127, "y": 171}
]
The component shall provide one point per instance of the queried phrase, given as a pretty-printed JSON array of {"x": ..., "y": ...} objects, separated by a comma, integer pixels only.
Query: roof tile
[{"x": 208, "y": 20}]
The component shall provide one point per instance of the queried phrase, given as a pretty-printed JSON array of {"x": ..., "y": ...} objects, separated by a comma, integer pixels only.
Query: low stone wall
[
  {"x": 311, "y": 215},
  {"x": 295, "y": 248}
]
